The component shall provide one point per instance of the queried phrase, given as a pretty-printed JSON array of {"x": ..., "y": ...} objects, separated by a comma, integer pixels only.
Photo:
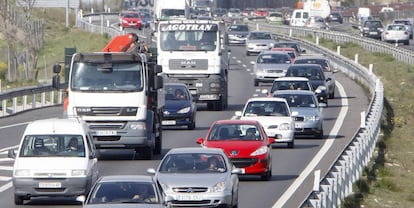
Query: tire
[
  {"x": 291, "y": 144},
  {"x": 320, "y": 135},
  {"x": 147, "y": 153},
  {"x": 407, "y": 42},
  {"x": 158, "y": 140},
  {"x": 247, "y": 53},
  {"x": 18, "y": 200},
  {"x": 256, "y": 83},
  {"x": 332, "y": 95},
  {"x": 192, "y": 125},
  {"x": 266, "y": 176}
]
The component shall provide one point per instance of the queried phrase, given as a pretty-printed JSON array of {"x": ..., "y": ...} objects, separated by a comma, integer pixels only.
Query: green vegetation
[{"x": 389, "y": 180}]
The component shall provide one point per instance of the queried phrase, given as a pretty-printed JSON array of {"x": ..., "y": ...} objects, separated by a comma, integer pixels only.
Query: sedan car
[
  {"x": 124, "y": 191},
  {"x": 270, "y": 65},
  {"x": 396, "y": 33},
  {"x": 327, "y": 67},
  {"x": 291, "y": 83},
  {"x": 131, "y": 20},
  {"x": 371, "y": 29},
  {"x": 198, "y": 177},
  {"x": 245, "y": 143},
  {"x": 289, "y": 44},
  {"x": 316, "y": 77},
  {"x": 258, "y": 41},
  {"x": 237, "y": 33},
  {"x": 316, "y": 22},
  {"x": 309, "y": 118},
  {"x": 180, "y": 108},
  {"x": 275, "y": 116}
]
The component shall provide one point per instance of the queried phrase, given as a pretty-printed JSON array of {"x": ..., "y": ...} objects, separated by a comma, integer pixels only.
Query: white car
[
  {"x": 258, "y": 41},
  {"x": 408, "y": 23},
  {"x": 275, "y": 116},
  {"x": 396, "y": 33}
]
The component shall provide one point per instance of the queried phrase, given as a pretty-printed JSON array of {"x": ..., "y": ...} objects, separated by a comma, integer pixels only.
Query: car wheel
[
  {"x": 291, "y": 144},
  {"x": 146, "y": 153},
  {"x": 256, "y": 82},
  {"x": 192, "y": 125},
  {"x": 18, "y": 200},
  {"x": 407, "y": 42},
  {"x": 247, "y": 53},
  {"x": 266, "y": 176},
  {"x": 319, "y": 135}
]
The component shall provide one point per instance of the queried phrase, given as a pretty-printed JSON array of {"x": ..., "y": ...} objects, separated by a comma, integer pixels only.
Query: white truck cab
[{"x": 56, "y": 157}]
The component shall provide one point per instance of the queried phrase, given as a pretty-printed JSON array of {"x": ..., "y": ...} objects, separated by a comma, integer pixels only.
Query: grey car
[
  {"x": 270, "y": 65},
  {"x": 237, "y": 33},
  {"x": 188, "y": 180},
  {"x": 258, "y": 41},
  {"x": 309, "y": 118},
  {"x": 118, "y": 191}
]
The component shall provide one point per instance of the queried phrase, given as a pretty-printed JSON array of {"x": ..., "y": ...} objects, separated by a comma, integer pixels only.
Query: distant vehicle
[
  {"x": 117, "y": 191},
  {"x": 396, "y": 33},
  {"x": 336, "y": 17},
  {"x": 309, "y": 120},
  {"x": 56, "y": 157},
  {"x": 246, "y": 144},
  {"x": 219, "y": 12},
  {"x": 363, "y": 14},
  {"x": 371, "y": 29},
  {"x": 289, "y": 44},
  {"x": 131, "y": 20},
  {"x": 146, "y": 19},
  {"x": 291, "y": 51},
  {"x": 408, "y": 23},
  {"x": 291, "y": 83},
  {"x": 234, "y": 12},
  {"x": 261, "y": 13},
  {"x": 180, "y": 108},
  {"x": 299, "y": 17},
  {"x": 258, "y": 41},
  {"x": 275, "y": 18},
  {"x": 237, "y": 33},
  {"x": 248, "y": 12},
  {"x": 189, "y": 178},
  {"x": 316, "y": 22},
  {"x": 275, "y": 116},
  {"x": 270, "y": 65},
  {"x": 317, "y": 7}
]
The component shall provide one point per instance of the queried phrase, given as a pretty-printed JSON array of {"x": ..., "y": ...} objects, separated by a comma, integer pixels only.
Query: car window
[
  {"x": 123, "y": 192},
  {"x": 191, "y": 163},
  {"x": 222, "y": 132},
  {"x": 289, "y": 85},
  {"x": 295, "y": 100},
  {"x": 266, "y": 108},
  {"x": 274, "y": 59},
  {"x": 309, "y": 72}
]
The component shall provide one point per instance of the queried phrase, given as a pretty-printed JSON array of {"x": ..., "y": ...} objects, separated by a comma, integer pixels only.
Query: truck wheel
[
  {"x": 145, "y": 152},
  {"x": 158, "y": 139},
  {"x": 18, "y": 200}
]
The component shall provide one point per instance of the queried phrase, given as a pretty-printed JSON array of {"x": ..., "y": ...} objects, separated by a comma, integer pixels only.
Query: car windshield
[
  {"x": 266, "y": 108},
  {"x": 283, "y": 58},
  {"x": 242, "y": 132},
  {"x": 310, "y": 72},
  {"x": 239, "y": 28},
  {"x": 260, "y": 36},
  {"x": 131, "y": 15},
  {"x": 290, "y": 85},
  {"x": 396, "y": 27},
  {"x": 176, "y": 92},
  {"x": 115, "y": 192},
  {"x": 297, "y": 100},
  {"x": 174, "y": 39},
  {"x": 53, "y": 146},
  {"x": 323, "y": 63},
  {"x": 192, "y": 163}
]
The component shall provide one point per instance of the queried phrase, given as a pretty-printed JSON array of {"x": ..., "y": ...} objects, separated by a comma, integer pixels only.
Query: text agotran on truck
[
  {"x": 194, "y": 52},
  {"x": 116, "y": 93}
]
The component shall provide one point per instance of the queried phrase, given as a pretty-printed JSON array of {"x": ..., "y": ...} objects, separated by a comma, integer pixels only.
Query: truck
[
  {"x": 118, "y": 93},
  {"x": 317, "y": 8},
  {"x": 168, "y": 10},
  {"x": 194, "y": 52}
]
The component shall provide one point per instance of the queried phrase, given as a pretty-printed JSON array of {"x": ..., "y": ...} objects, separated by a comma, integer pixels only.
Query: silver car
[
  {"x": 188, "y": 180},
  {"x": 124, "y": 191},
  {"x": 237, "y": 33},
  {"x": 258, "y": 41},
  {"x": 396, "y": 33},
  {"x": 270, "y": 65},
  {"x": 309, "y": 118}
]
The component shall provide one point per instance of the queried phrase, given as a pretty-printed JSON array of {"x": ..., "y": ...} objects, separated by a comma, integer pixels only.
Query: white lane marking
[
  {"x": 328, "y": 143},
  {"x": 244, "y": 65},
  {"x": 6, "y": 159},
  {"x": 6, "y": 186},
  {"x": 249, "y": 70},
  {"x": 234, "y": 57},
  {"x": 13, "y": 125},
  {"x": 5, "y": 168}
]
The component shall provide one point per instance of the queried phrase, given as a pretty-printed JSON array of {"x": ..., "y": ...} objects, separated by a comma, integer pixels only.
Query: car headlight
[
  {"x": 138, "y": 126},
  {"x": 219, "y": 187},
  {"x": 124, "y": 21},
  {"x": 284, "y": 126},
  {"x": 78, "y": 172},
  {"x": 250, "y": 45},
  {"x": 262, "y": 150},
  {"x": 21, "y": 172},
  {"x": 184, "y": 110},
  {"x": 312, "y": 118}
]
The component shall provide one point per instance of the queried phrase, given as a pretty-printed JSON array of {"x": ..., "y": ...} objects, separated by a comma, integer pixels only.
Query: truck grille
[
  {"x": 107, "y": 126},
  {"x": 188, "y": 64}
]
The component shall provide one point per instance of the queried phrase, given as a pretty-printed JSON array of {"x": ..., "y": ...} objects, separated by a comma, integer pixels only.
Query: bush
[{"x": 3, "y": 70}]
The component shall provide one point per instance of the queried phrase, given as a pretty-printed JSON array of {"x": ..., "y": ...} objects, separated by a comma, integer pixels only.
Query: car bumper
[
  {"x": 68, "y": 186},
  {"x": 252, "y": 165},
  {"x": 177, "y": 119},
  {"x": 202, "y": 199},
  {"x": 308, "y": 128},
  {"x": 281, "y": 136},
  {"x": 268, "y": 77}
]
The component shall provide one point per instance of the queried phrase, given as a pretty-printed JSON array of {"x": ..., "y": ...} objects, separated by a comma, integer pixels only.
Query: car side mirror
[
  {"x": 271, "y": 140},
  {"x": 151, "y": 171},
  {"x": 238, "y": 113},
  {"x": 200, "y": 140},
  {"x": 12, "y": 153}
]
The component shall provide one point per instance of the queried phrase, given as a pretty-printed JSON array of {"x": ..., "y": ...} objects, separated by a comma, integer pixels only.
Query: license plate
[
  {"x": 105, "y": 133},
  {"x": 193, "y": 92},
  {"x": 167, "y": 122},
  {"x": 50, "y": 185},
  {"x": 190, "y": 197},
  {"x": 373, "y": 33}
]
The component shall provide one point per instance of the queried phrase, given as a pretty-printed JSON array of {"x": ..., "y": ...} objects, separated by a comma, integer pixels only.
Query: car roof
[
  {"x": 291, "y": 79},
  {"x": 195, "y": 150},
  {"x": 125, "y": 178},
  {"x": 311, "y": 56},
  {"x": 274, "y": 52},
  {"x": 256, "y": 31},
  {"x": 266, "y": 99},
  {"x": 296, "y": 92},
  {"x": 297, "y": 66},
  {"x": 236, "y": 122},
  {"x": 56, "y": 126}
]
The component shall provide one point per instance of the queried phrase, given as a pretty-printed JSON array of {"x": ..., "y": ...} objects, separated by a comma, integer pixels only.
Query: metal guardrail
[{"x": 348, "y": 166}]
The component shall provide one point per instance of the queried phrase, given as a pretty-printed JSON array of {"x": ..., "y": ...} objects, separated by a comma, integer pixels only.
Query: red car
[
  {"x": 245, "y": 143},
  {"x": 261, "y": 12},
  {"x": 131, "y": 20}
]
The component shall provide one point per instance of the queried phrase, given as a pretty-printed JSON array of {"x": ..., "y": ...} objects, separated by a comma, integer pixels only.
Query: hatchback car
[
  {"x": 237, "y": 33},
  {"x": 180, "y": 108},
  {"x": 275, "y": 18},
  {"x": 270, "y": 65},
  {"x": 198, "y": 177},
  {"x": 131, "y": 20},
  {"x": 309, "y": 118},
  {"x": 316, "y": 22},
  {"x": 396, "y": 33},
  {"x": 275, "y": 116},
  {"x": 335, "y": 17},
  {"x": 408, "y": 23},
  {"x": 316, "y": 77},
  {"x": 291, "y": 83},
  {"x": 289, "y": 44},
  {"x": 291, "y": 51},
  {"x": 124, "y": 191},
  {"x": 371, "y": 29},
  {"x": 245, "y": 143},
  {"x": 258, "y": 41},
  {"x": 328, "y": 70}
]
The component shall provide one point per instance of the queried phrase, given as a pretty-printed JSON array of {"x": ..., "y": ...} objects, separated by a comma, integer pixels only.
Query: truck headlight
[
  {"x": 138, "y": 126},
  {"x": 78, "y": 173},
  {"x": 21, "y": 172}
]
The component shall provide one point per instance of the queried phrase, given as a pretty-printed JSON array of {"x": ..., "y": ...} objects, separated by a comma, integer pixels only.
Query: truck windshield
[
  {"x": 188, "y": 40},
  {"x": 103, "y": 77}
]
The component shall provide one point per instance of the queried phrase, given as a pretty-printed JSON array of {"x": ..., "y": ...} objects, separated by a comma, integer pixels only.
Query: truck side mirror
[
  {"x": 157, "y": 69},
  {"x": 56, "y": 81},
  {"x": 57, "y": 68},
  {"x": 158, "y": 82}
]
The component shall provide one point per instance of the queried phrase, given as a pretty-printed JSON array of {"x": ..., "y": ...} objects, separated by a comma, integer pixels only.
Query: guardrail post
[
  {"x": 338, "y": 50},
  {"x": 4, "y": 107},
  {"x": 257, "y": 27},
  {"x": 24, "y": 102},
  {"x": 317, "y": 40},
  {"x": 34, "y": 101},
  {"x": 290, "y": 32},
  {"x": 371, "y": 66},
  {"x": 43, "y": 99},
  {"x": 52, "y": 97},
  {"x": 356, "y": 58},
  {"x": 363, "y": 124},
  {"x": 90, "y": 20},
  {"x": 14, "y": 105},
  {"x": 107, "y": 23}
]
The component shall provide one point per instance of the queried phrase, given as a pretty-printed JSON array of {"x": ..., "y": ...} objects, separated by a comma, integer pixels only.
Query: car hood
[
  {"x": 271, "y": 66},
  {"x": 305, "y": 111},
  {"x": 238, "y": 33},
  {"x": 269, "y": 120},
  {"x": 244, "y": 148},
  {"x": 123, "y": 205},
  {"x": 191, "y": 179},
  {"x": 175, "y": 105},
  {"x": 264, "y": 41}
]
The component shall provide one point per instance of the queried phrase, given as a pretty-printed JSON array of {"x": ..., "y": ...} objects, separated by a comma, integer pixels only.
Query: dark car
[
  {"x": 289, "y": 44},
  {"x": 371, "y": 29},
  {"x": 335, "y": 17},
  {"x": 180, "y": 108},
  {"x": 314, "y": 73}
]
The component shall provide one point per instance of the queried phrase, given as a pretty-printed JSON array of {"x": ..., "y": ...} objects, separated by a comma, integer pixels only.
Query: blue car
[{"x": 180, "y": 109}]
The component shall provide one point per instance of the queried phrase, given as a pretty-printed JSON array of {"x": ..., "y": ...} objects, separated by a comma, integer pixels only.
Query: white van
[
  {"x": 56, "y": 157},
  {"x": 299, "y": 17}
]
